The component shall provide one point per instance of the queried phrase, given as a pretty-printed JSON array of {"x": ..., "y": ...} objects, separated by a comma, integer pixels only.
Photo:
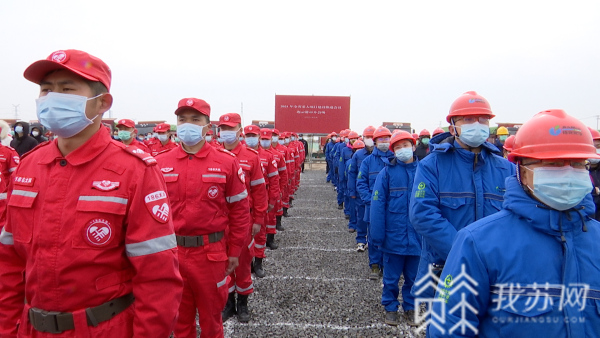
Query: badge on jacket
[{"x": 156, "y": 203}]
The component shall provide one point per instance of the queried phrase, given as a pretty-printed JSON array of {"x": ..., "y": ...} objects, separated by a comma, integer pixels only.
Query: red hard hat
[
  {"x": 333, "y": 133},
  {"x": 595, "y": 133},
  {"x": 469, "y": 103},
  {"x": 344, "y": 132},
  {"x": 438, "y": 131},
  {"x": 424, "y": 132},
  {"x": 369, "y": 131},
  {"x": 415, "y": 136},
  {"x": 353, "y": 135},
  {"x": 399, "y": 136},
  {"x": 509, "y": 142},
  {"x": 381, "y": 131},
  {"x": 552, "y": 134},
  {"x": 358, "y": 144}
]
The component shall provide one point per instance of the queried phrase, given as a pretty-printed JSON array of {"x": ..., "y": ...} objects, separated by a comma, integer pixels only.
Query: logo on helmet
[
  {"x": 476, "y": 100},
  {"x": 568, "y": 130}
]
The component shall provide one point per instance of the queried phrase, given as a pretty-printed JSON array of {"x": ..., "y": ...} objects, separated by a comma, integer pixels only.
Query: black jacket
[{"x": 24, "y": 143}]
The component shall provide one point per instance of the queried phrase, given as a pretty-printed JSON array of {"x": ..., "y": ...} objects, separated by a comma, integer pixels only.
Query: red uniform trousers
[
  {"x": 204, "y": 289},
  {"x": 241, "y": 277}
]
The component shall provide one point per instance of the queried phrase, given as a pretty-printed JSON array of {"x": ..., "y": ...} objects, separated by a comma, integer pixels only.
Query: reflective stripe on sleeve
[
  {"x": 151, "y": 246},
  {"x": 104, "y": 199},
  {"x": 3, "y": 196},
  {"x": 24, "y": 193},
  {"x": 237, "y": 198},
  {"x": 273, "y": 174},
  {"x": 170, "y": 175},
  {"x": 271, "y": 226},
  {"x": 251, "y": 244},
  {"x": 6, "y": 238},
  {"x": 289, "y": 161},
  {"x": 257, "y": 182},
  {"x": 221, "y": 283},
  {"x": 258, "y": 246},
  {"x": 12, "y": 169},
  {"x": 282, "y": 168}
]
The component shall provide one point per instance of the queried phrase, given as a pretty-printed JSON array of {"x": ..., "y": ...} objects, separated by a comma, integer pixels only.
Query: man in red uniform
[
  {"x": 207, "y": 190},
  {"x": 88, "y": 221},
  {"x": 9, "y": 159},
  {"x": 128, "y": 133},
  {"x": 163, "y": 142},
  {"x": 274, "y": 216},
  {"x": 298, "y": 154},
  {"x": 241, "y": 278},
  {"x": 279, "y": 145},
  {"x": 271, "y": 176}
]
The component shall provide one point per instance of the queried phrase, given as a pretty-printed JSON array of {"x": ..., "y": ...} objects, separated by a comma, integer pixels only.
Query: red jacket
[
  {"x": 140, "y": 145},
  {"x": 157, "y": 147},
  {"x": 283, "y": 173},
  {"x": 255, "y": 181},
  {"x": 208, "y": 194},
  {"x": 270, "y": 173},
  {"x": 87, "y": 228}
]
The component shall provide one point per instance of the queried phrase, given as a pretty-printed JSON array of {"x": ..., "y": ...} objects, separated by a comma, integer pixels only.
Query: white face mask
[
  {"x": 252, "y": 141},
  {"x": 265, "y": 144},
  {"x": 209, "y": 138},
  {"x": 162, "y": 138},
  {"x": 383, "y": 147},
  {"x": 35, "y": 133},
  {"x": 275, "y": 139},
  {"x": 369, "y": 142},
  {"x": 229, "y": 136},
  {"x": 64, "y": 114}
]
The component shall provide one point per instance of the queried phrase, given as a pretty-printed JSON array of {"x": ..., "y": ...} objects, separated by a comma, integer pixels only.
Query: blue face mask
[
  {"x": 560, "y": 188},
  {"x": 190, "y": 134},
  {"x": 404, "y": 154},
  {"x": 63, "y": 114},
  {"x": 474, "y": 134},
  {"x": 124, "y": 135},
  {"x": 265, "y": 144},
  {"x": 252, "y": 141},
  {"x": 229, "y": 136}
]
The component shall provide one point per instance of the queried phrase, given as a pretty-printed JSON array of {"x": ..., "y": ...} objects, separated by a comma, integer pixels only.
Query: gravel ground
[{"x": 317, "y": 284}]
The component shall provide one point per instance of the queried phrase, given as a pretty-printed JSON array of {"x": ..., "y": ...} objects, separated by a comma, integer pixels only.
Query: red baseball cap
[
  {"x": 126, "y": 122},
  {"x": 252, "y": 129},
  {"x": 266, "y": 133},
  {"x": 230, "y": 119},
  {"x": 163, "y": 127},
  {"x": 196, "y": 104},
  {"x": 275, "y": 132},
  {"x": 81, "y": 63}
]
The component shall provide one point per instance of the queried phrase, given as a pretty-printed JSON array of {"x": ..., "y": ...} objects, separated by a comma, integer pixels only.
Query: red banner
[{"x": 312, "y": 114}]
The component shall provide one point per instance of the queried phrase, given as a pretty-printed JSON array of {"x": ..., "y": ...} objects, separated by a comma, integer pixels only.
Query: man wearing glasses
[
  {"x": 461, "y": 181},
  {"x": 535, "y": 263}
]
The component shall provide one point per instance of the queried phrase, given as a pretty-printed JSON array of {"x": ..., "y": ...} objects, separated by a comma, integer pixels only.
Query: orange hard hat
[
  {"x": 509, "y": 142},
  {"x": 352, "y": 135},
  {"x": 552, "y": 134},
  {"x": 381, "y": 131},
  {"x": 438, "y": 131},
  {"x": 399, "y": 136},
  {"x": 369, "y": 131},
  {"x": 469, "y": 103},
  {"x": 344, "y": 132},
  {"x": 358, "y": 144},
  {"x": 595, "y": 134},
  {"x": 424, "y": 132}
]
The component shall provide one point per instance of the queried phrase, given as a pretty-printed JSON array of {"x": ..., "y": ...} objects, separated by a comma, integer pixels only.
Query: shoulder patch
[
  {"x": 223, "y": 150},
  {"x": 140, "y": 154}
]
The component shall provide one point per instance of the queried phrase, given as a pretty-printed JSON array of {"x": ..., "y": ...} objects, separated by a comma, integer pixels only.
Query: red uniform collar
[
  {"x": 85, "y": 153},
  {"x": 203, "y": 152}
]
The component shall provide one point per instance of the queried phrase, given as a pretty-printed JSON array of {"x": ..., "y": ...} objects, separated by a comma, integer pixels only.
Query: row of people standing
[{"x": 102, "y": 239}]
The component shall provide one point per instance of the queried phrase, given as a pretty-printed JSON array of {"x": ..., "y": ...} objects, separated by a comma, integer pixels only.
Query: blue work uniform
[{"x": 361, "y": 224}]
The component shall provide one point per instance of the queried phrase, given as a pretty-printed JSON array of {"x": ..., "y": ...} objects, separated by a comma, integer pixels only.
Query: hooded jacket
[
  {"x": 390, "y": 227},
  {"x": 40, "y": 138},
  {"x": 5, "y": 137},
  {"x": 530, "y": 244},
  {"x": 454, "y": 187},
  {"x": 25, "y": 142}
]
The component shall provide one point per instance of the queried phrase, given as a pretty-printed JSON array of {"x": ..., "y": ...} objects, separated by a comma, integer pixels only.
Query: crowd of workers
[
  {"x": 137, "y": 238},
  {"x": 516, "y": 218},
  {"x": 132, "y": 238}
]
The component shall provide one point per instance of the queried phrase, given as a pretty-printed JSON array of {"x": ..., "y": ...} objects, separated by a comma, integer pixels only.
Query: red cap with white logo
[
  {"x": 162, "y": 128},
  {"x": 126, "y": 123},
  {"x": 81, "y": 63},
  {"x": 252, "y": 129},
  {"x": 193, "y": 103},
  {"x": 266, "y": 134},
  {"x": 230, "y": 119}
]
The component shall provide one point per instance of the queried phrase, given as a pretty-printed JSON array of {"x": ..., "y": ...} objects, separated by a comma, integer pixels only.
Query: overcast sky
[{"x": 401, "y": 61}]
